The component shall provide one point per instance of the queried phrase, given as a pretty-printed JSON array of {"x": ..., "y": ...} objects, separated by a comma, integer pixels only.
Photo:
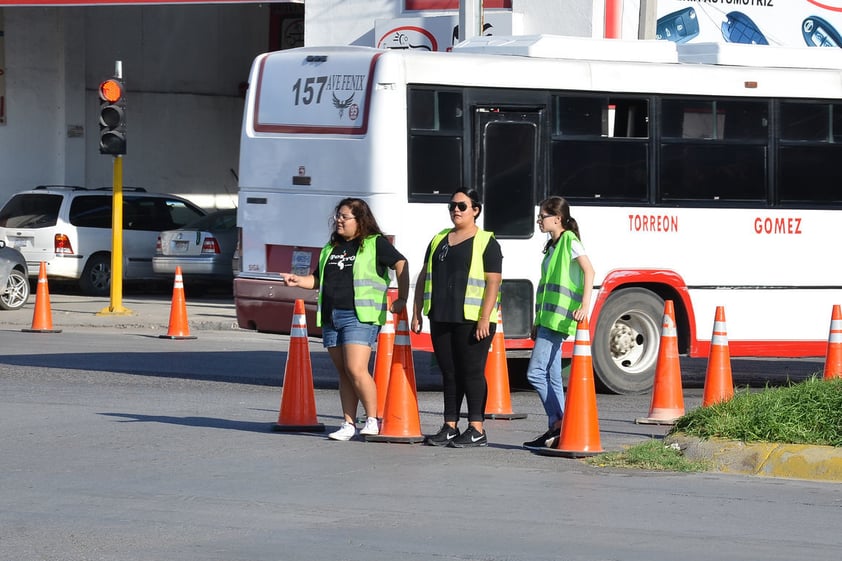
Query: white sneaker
[
  {"x": 346, "y": 432},
  {"x": 372, "y": 427}
]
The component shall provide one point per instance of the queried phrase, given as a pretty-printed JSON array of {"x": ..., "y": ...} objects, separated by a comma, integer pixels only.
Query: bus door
[{"x": 506, "y": 149}]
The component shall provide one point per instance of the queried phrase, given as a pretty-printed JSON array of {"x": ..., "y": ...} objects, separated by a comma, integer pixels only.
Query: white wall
[
  {"x": 575, "y": 18},
  {"x": 33, "y": 142},
  {"x": 346, "y": 22},
  {"x": 183, "y": 67}
]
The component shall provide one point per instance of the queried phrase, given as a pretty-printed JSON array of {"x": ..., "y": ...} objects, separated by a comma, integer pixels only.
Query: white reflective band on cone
[
  {"x": 299, "y": 326},
  {"x": 668, "y": 327},
  {"x": 719, "y": 339}
]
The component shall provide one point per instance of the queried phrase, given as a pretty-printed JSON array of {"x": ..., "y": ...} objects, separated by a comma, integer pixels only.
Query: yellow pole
[{"x": 116, "y": 306}]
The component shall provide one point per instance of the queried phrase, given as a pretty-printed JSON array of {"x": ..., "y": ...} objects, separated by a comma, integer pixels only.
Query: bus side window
[
  {"x": 579, "y": 116},
  {"x": 432, "y": 110},
  {"x": 744, "y": 120},
  {"x": 599, "y": 149},
  {"x": 630, "y": 118},
  {"x": 804, "y": 121},
  {"x": 435, "y": 142},
  {"x": 811, "y": 133}
]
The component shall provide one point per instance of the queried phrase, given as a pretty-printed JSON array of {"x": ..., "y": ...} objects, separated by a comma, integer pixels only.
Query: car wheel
[
  {"x": 626, "y": 341},
  {"x": 96, "y": 278},
  {"x": 15, "y": 292}
]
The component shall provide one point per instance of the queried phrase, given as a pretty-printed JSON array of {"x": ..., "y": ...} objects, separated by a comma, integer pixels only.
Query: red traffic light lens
[{"x": 111, "y": 90}]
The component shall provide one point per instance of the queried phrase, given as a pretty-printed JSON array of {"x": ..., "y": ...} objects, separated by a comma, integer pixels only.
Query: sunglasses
[{"x": 461, "y": 205}]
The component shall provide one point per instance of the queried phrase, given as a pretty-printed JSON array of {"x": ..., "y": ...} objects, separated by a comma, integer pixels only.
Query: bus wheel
[{"x": 626, "y": 340}]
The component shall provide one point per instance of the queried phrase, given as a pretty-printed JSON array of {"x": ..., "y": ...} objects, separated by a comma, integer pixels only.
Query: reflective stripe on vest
[
  {"x": 556, "y": 301},
  {"x": 475, "y": 289},
  {"x": 369, "y": 287}
]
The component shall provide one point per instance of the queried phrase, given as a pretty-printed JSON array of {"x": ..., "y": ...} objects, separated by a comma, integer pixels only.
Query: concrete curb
[{"x": 796, "y": 461}]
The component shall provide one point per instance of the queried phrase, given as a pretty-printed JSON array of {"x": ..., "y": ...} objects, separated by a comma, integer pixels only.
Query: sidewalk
[{"x": 71, "y": 310}]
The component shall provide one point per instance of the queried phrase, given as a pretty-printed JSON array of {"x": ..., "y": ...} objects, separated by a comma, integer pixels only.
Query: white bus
[{"x": 706, "y": 174}]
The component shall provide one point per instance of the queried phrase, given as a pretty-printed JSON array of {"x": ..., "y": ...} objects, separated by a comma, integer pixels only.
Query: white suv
[{"x": 69, "y": 228}]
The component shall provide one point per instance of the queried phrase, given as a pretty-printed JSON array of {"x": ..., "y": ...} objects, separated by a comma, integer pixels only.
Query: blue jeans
[
  {"x": 345, "y": 329},
  {"x": 544, "y": 372}
]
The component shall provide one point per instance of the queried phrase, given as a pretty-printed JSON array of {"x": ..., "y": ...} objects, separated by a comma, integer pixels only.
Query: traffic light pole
[{"x": 116, "y": 306}]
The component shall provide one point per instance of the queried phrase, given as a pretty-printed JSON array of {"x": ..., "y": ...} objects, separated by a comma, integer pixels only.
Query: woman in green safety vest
[
  {"x": 352, "y": 277},
  {"x": 458, "y": 290},
  {"x": 562, "y": 300}
]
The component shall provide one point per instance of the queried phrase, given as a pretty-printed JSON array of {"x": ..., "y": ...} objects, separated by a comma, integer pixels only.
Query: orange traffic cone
[
  {"x": 498, "y": 405},
  {"x": 401, "y": 419},
  {"x": 179, "y": 328},
  {"x": 667, "y": 394},
  {"x": 580, "y": 424},
  {"x": 718, "y": 383},
  {"x": 298, "y": 398},
  {"x": 383, "y": 359},
  {"x": 42, "y": 317},
  {"x": 833, "y": 362}
]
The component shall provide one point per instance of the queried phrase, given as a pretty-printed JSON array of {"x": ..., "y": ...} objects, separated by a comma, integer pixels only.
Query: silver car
[
  {"x": 204, "y": 249},
  {"x": 14, "y": 281}
]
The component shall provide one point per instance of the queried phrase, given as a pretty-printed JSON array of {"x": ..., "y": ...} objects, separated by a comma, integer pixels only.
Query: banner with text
[{"x": 789, "y": 23}]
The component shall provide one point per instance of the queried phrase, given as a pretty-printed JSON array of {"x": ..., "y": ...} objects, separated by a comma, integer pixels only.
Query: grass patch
[
  {"x": 808, "y": 412},
  {"x": 651, "y": 455}
]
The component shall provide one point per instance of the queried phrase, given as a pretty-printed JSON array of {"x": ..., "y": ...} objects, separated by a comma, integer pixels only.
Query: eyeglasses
[
  {"x": 343, "y": 217},
  {"x": 461, "y": 205},
  {"x": 443, "y": 252},
  {"x": 542, "y": 217}
]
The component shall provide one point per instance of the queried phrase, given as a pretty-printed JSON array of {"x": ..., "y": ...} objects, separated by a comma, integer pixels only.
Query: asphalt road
[{"x": 99, "y": 464}]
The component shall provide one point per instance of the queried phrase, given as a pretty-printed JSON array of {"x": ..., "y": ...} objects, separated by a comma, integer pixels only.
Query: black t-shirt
[
  {"x": 450, "y": 276},
  {"x": 338, "y": 282}
]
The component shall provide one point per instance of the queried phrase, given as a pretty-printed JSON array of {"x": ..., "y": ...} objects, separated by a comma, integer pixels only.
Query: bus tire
[{"x": 626, "y": 341}]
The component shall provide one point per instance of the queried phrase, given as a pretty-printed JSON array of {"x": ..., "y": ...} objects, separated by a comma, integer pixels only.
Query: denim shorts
[{"x": 344, "y": 328}]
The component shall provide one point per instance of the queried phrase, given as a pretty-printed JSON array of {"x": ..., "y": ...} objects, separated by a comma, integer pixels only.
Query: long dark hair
[
  {"x": 473, "y": 195},
  {"x": 366, "y": 223},
  {"x": 558, "y": 206}
]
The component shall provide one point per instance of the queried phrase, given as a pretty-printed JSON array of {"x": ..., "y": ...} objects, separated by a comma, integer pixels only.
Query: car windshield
[{"x": 217, "y": 221}]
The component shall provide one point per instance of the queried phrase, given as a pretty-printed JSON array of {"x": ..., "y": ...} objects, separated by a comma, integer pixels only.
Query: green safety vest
[
  {"x": 369, "y": 286},
  {"x": 560, "y": 288},
  {"x": 476, "y": 276}
]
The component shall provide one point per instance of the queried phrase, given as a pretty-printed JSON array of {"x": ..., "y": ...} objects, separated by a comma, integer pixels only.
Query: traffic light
[{"x": 112, "y": 117}]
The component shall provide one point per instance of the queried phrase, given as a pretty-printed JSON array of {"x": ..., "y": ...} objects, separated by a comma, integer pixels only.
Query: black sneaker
[
  {"x": 470, "y": 438},
  {"x": 442, "y": 438},
  {"x": 542, "y": 441}
]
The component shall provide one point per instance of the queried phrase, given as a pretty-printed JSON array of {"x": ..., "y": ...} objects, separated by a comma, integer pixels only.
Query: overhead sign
[
  {"x": 434, "y": 33},
  {"x": 790, "y": 23}
]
